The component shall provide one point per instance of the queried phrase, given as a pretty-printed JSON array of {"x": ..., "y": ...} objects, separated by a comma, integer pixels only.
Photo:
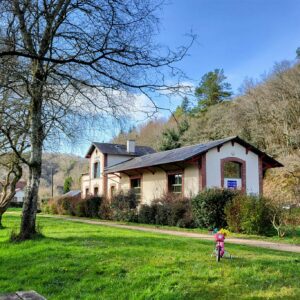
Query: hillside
[
  {"x": 266, "y": 114},
  {"x": 63, "y": 165}
]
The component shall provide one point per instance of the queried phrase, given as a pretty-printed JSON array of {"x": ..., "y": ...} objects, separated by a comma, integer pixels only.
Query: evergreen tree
[
  {"x": 183, "y": 108},
  {"x": 172, "y": 136},
  {"x": 298, "y": 53},
  {"x": 68, "y": 184},
  {"x": 213, "y": 89}
]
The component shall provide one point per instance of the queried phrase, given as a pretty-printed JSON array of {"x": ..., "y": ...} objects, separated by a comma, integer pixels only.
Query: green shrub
[
  {"x": 105, "y": 211},
  {"x": 50, "y": 207},
  {"x": 74, "y": 206},
  {"x": 92, "y": 206},
  {"x": 233, "y": 212},
  {"x": 124, "y": 206},
  {"x": 163, "y": 212},
  {"x": 208, "y": 207},
  {"x": 79, "y": 209},
  {"x": 249, "y": 214},
  {"x": 147, "y": 214},
  {"x": 169, "y": 210},
  {"x": 64, "y": 206}
]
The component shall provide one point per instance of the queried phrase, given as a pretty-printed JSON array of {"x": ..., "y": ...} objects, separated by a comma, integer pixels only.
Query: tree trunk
[
  {"x": 2, "y": 211},
  {"x": 28, "y": 223}
]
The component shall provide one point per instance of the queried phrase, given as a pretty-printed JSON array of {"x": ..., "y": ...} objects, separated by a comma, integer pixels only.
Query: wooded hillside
[
  {"x": 63, "y": 165},
  {"x": 266, "y": 114}
]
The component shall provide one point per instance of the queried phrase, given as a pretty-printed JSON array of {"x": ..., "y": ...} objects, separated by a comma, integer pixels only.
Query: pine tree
[
  {"x": 68, "y": 184},
  {"x": 213, "y": 89}
]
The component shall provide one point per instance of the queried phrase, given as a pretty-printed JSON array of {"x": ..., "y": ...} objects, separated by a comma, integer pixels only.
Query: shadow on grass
[{"x": 166, "y": 267}]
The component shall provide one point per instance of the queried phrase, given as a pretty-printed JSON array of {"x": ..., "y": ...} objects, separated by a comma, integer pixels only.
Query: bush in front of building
[
  {"x": 147, "y": 214},
  {"x": 105, "y": 210},
  {"x": 92, "y": 205},
  {"x": 170, "y": 209},
  {"x": 208, "y": 207},
  {"x": 249, "y": 214},
  {"x": 124, "y": 206},
  {"x": 50, "y": 207},
  {"x": 74, "y": 206}
]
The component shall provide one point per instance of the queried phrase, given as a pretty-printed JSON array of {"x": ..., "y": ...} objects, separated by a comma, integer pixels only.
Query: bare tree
[
  {"x": 8, "y": 187},
  {"x": 14, "y": 123},
  {"x": 97, "y": 51}
]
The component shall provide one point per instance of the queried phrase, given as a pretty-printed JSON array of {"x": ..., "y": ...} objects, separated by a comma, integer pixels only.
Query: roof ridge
[
  {"x": 194, "y": 145},
  {"x": 117, "y": 144}
]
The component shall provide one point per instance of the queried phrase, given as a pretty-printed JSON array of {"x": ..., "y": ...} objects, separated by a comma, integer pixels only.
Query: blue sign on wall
[{"x": 232, "y": 184}]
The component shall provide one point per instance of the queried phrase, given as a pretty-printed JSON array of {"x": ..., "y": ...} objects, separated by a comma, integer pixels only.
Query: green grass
[
  {"x": 289, "y": 238},
  {"x": 81, "y": 261},
  {"x": 15, "y": 209}
]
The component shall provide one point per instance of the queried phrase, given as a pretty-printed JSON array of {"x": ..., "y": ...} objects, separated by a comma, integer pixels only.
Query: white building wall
[
  {"x": 85, "y": 184},
  {"x": 96, "y": 182},
  {"x": 153, "y": 186},
  {"x": 191, "y": 180},
  {"x": 213, "y": 166},
  {"x": 89, "y": 182},
  {"x": 19, "y": 196}
]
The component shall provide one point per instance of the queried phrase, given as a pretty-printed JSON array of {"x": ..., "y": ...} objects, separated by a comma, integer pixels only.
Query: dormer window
[{"x": 96, "y": 170}]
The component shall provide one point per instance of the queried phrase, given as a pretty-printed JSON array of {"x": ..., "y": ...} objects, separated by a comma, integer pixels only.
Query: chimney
[{"x": 131, "y": 146}]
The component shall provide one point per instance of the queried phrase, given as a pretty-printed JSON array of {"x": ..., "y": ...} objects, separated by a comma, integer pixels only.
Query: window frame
[
  {"x": 243, "y": 171},
  {"x": 170, "y": 185},
  {"x": 96, "y": 170},
  {"x": 139, "y": 178}
]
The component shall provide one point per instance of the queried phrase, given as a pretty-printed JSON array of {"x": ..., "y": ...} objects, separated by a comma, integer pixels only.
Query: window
[
  {"x": 175, "y": 183},
  {"x": 232, "y": 169},
  {"x": 86, "y": 192},
  {"x": 135, "y": 184},
  {"x": 96, "y": 169},
  {"x": 96, "y": 190}
]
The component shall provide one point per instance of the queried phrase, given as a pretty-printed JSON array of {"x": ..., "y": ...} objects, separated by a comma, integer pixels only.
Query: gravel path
[{"x": 239, "y": 241}]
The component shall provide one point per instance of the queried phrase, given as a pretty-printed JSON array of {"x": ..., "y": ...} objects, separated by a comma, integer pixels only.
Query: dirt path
[{"x": 239, "y": 241}]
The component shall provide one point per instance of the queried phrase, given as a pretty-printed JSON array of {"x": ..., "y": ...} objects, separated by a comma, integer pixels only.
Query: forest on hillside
[
  {"x": 62, "y": 166},
  {"x": 266, "y": 114}
]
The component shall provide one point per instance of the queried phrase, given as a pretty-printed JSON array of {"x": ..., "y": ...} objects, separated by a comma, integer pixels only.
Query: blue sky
[{"x": 244, "y": 37}]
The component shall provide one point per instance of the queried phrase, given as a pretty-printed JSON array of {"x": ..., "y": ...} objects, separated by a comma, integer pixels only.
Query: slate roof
[
  {"x": 182, "y": 154},
  {"x": 119, "y": 149},
  {"x": 72, "y": 193}
]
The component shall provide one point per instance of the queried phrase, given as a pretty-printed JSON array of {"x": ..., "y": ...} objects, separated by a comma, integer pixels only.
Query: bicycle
[{"x": 219, "y": 250}]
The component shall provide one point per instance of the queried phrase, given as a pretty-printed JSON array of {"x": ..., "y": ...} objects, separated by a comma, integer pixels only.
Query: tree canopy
[
  {"x": 213, "y": 89},
  {"x": 75, "y": 60}
]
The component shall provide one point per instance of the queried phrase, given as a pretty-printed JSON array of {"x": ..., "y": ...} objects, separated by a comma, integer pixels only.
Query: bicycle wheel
[{"x": 218, "y": 256}]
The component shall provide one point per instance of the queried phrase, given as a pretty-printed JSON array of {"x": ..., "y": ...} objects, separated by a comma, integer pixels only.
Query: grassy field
[
  {"x": 289, "y": 238},
  {"x": 81, "y": 261}
]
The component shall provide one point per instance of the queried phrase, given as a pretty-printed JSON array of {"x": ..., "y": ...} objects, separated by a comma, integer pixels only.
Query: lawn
[
  {"x": 81, "y": 261},
  {"x": 289, "y": 238}
]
